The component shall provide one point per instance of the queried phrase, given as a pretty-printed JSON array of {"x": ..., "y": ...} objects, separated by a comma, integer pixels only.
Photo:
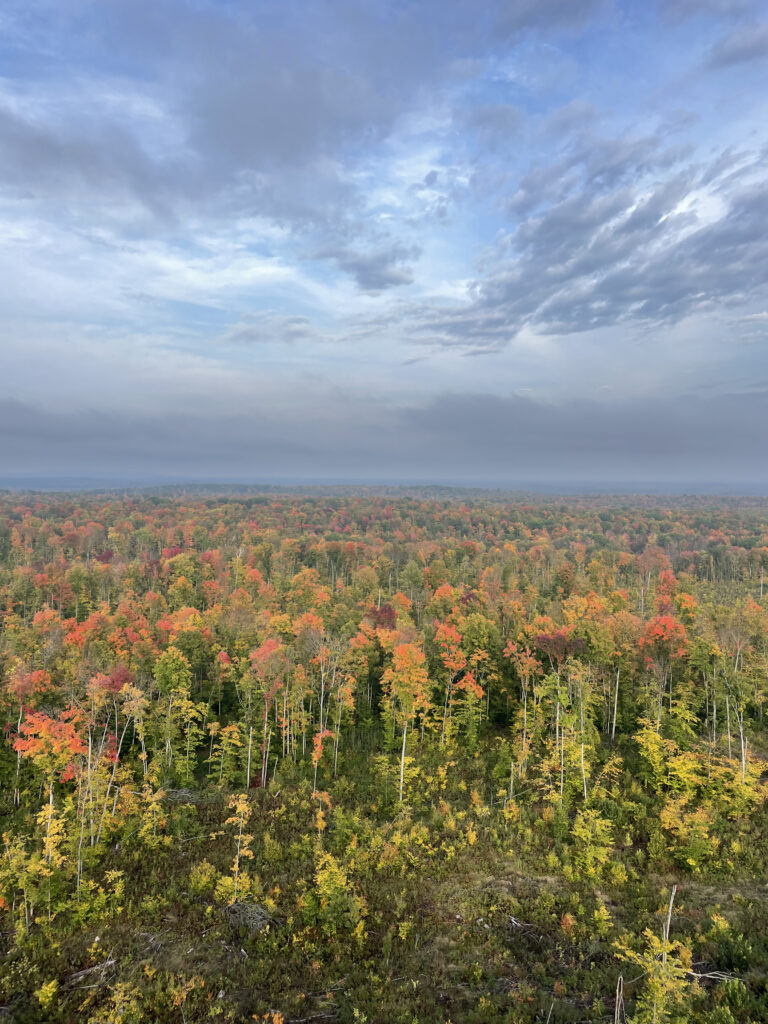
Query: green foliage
[
  {"x": 594, "y": 841},
  {"x": 666, "y": 992},
  {"x": 333, "y": 904}
]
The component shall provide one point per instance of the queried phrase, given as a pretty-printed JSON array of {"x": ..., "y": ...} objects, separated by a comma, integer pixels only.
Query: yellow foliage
[{"x": 46, "y": 994}]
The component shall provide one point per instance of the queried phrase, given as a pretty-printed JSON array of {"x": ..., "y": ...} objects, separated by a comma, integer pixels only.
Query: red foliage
[
  {"x": 55, "y": 740},
  {"x": 664, "y": 637},
  {"x": 558, "y": 645},
  {"x": 384, "y": 617},
  {"x": 25, "y": 684},
  {"x": 317, "y": 743}
]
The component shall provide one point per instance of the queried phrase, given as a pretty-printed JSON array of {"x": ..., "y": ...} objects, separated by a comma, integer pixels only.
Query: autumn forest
[{"x": 410, "y": 757}]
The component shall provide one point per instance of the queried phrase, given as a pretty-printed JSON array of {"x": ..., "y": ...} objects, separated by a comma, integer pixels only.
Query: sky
[{"x": 445, "y": 241}]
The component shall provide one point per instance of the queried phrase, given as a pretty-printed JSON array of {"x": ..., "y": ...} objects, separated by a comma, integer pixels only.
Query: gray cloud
[
  {"x": 679, "y": 10},
  {"x": 101, "y": 160},
  {"x": 375, "y": 270},
  {"x": 265, "y": 115},
  {"x": 574, "y": 116},
  {"x": 264, "y": 123},
  {"x": 270, "y": 328},
  {"x": 745, "y": 44},
  {"x": 610, "y": 251},
  {"x": 592, "y": 164},
  {"x": 527, "y": 14},
  {"x": 494, "y": 124},
  {"x": 459, "y": 437}
]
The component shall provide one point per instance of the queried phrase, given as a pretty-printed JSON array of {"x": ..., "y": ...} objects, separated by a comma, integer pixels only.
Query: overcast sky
[{"x": 454, "y": 240}]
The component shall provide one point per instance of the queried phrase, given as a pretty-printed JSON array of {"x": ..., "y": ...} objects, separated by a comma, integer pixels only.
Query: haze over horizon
[{"x": 519, "y": 241}]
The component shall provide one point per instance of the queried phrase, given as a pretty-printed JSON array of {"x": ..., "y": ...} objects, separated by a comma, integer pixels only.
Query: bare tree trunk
[
  {"x": 265, "y": 766},
  {"x": 336, "y": 741},
  {"x": 402, "y": 759},
  {"x": 581, "y": 726},
  {"x": 248, "y": 765},
  {"x": 742, "y": 742},
  {"x": 445, "y": 710}
]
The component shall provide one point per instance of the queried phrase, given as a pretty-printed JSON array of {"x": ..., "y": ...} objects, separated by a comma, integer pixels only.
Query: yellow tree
[
  {"x": 405, "y": 692},
  {"x": 667, "y": 969}
]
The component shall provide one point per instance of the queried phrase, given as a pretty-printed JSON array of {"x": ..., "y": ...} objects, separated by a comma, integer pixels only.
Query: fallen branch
[
  {"x": 713, "y": 975},
  {"x": 329, "y": 1015},
  {"x": 74, "y": 978}
]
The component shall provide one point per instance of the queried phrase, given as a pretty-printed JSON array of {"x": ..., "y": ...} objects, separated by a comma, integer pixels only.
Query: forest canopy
[{"x": 383, "y": 757}]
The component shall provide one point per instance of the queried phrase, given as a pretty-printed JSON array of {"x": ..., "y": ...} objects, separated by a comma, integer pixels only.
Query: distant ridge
[{"x": 602, "y": 493}]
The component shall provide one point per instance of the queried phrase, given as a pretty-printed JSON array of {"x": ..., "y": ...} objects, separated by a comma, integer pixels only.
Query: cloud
[
  {"x": 493, "y": 124},
  {"x": 679, "y": 10},
  {"x": 264, "y": 119},
  {"x": 461, "y": 437},
  {"x": 377, "y": 270},
  {"x": 611, "y": 252},
  {"x": 528, "y": 14},
  {"x": 575, "y": 116},
  {"x": 270, "y": 328},
  {"x": 101, "y": 160},
  {"x": 245, "y": 116},
  {"x": 592, "y": 164},
  {"x": 745, "y": 44}
]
